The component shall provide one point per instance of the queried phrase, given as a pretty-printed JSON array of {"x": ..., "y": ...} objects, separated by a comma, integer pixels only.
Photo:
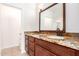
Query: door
[{"x": 10, "y": 18}]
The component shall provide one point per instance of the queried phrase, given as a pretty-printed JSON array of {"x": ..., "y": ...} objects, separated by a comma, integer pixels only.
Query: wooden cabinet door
[
  {"x": 31, "y": 53},
  {"x": 31, "y": 46},
  {"x": 31, "y": 43},
  {"x": 39, "y": 51}
]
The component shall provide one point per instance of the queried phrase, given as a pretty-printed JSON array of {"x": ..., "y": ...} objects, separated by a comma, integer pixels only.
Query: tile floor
[{"x": 14, "y": 51}]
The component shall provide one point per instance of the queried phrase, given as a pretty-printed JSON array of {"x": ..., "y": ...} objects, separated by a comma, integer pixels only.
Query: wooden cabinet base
[{"x": 39, "y": 47}]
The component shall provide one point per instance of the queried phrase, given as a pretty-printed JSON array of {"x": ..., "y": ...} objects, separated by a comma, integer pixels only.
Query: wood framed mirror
[{"x": 52, "y": 17}]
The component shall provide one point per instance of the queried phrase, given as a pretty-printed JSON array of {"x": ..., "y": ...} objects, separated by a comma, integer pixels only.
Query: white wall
[
  {"x": 72, "y": 17},
  {"x": 10, "y": 19},
  {"x": 0, "y": 37},
  {"x": 30, "y": 21},
  {"x": 0, "y": 33}
]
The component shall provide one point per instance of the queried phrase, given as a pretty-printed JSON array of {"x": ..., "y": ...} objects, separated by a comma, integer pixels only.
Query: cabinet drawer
[
  {"x": 39, "y": 51},
  {"x": 55, "y": 48}
]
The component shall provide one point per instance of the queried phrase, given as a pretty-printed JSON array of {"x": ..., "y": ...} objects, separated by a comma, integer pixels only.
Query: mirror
[{"x": 52, "y": 18}]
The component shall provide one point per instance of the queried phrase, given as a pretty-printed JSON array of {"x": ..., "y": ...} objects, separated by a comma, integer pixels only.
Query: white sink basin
[{"x": 56, "y": 37}]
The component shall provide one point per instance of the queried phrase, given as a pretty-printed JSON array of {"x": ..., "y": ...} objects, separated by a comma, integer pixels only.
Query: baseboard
[{"x": 10, "y": 46}]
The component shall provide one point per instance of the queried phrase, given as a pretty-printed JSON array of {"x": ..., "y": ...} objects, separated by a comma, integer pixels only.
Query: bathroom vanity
[
  {"x": 52, "y": 19},
  {"x": 42, "y": 45}
]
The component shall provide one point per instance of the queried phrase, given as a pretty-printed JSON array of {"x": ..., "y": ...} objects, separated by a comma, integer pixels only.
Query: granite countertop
[{"x": 71, "y": 42}]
